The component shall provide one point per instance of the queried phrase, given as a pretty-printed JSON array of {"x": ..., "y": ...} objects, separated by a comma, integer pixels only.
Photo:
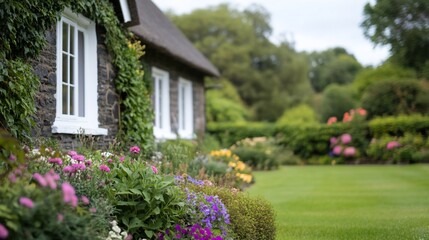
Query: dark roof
[{"x": 157, "y": 30}]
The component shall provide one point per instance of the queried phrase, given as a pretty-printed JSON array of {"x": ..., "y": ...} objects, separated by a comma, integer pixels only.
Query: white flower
[
  {"x": 116, "y": 229},
  {"x": 106, "y": 154}
]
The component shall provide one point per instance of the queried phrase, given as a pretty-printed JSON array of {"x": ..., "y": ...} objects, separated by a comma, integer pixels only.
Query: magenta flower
[
  {"x": 78, "y": 166},
  {"x": 26, "y": 202},
  {"x": 346, "y": 138},
  {"x": 154, "y": 169},
  {"x": 12, "y": 157},
  {"x": 69, "y": 194},
  {"x": 349, "y": 151},
  {"x": 78, "y": 158},
  {"x": 3, "y": 232},
  {"x": 109, "y": 160},
  {"x": 72, "y": 153},
  {"x": 12, "y": 178},
  {"x": 93, "y": 210},
  {"x": 50, "y": 179},
  {"x": 88, "y": 163},
  {"x": 84, "y": 200},
  {"x": 68, "y": 169},
  {"x": 56, "y": 161},
  {"x": 337, "y": 150},
  {"x": 104, "y": 168},
  {"x": 393, "y": 144},
  {"x": 40, "y": 179},
  {"x": 122, "y": 159},
  {"x": 333, "y": 140},
  {"x": 135, "y": 149}
]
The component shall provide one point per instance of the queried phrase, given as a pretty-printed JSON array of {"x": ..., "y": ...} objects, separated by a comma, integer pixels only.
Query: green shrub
[
  {"x": 176, "y": 157},
  {"x": 336, "y": 101},
  {"x": 230, "y": 133},
  {"x": 146, "y": 202},
  {"x": 259, "y": 153},
  {"x": 398, "y": 126},
  {"x": 251, "y": 218},
  {"x": 395, "y": 97},
  {"x": 301, "y": 114}
]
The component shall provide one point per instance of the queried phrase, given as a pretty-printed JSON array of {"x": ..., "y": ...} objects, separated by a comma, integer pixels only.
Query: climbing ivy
[{"x": 24, "y": 39}]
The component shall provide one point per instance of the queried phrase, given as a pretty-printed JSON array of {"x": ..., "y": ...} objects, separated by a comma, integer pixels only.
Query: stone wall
[
  {"x": 108, "y": 109},
  {"x": 176, "y": 70}
]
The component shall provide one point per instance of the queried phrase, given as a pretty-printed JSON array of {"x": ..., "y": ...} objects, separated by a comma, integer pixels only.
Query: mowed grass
[{"x": 348, "y": 202}]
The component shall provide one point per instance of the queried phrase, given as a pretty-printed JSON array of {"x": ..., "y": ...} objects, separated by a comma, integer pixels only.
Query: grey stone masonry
[{"x": 108, "y": 104}]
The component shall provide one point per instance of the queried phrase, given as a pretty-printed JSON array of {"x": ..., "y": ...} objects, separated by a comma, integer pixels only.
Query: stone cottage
[{"x": 77, "y": 77}]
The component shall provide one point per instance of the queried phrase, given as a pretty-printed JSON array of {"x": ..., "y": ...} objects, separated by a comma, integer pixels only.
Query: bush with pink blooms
[{"x": 342, "y": 149}]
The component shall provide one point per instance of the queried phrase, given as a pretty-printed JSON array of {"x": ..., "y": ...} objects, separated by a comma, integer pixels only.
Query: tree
[
  {"x": 336, "y": 101},
  {"x": 404, "y": 26},
  {"x": 268, "y": 77},
  {"x": 334, "y": 65}
]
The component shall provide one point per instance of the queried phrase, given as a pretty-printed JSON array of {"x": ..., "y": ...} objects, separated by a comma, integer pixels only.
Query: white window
[
  {"x": 186, "y": 113},
  {"x": 76, "y": 95},
  {"x": 125, "y": 10},
  {"x": 161, "y": 98}
]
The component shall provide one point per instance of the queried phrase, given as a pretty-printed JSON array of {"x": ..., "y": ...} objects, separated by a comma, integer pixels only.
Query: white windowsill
[
  {"x": 186, "y": 135},
  {"x": 165, "y": 135},
  {"x": 75, "y": 129}
]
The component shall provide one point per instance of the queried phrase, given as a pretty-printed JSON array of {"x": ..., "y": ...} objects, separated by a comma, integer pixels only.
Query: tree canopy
[{"x": 404, "y": 26}]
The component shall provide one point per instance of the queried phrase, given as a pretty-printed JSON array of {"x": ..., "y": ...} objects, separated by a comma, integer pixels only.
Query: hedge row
[{"x": 313, "y": 140}]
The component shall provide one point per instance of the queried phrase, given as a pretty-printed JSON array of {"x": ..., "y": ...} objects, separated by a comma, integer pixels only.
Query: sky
[{"x": 313, "y": 25}]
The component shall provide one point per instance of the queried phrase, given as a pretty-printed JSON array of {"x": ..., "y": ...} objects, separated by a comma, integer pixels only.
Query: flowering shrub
[
  {"x": 259, "y": 153},
  {"x": 342, "y": 148}
]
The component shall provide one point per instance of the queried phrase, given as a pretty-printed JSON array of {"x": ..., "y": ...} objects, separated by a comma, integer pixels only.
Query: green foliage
[
  {"x": 395, "y": 97},
  {"x": 176, "y": 157},
  {"x": 259, "y": 153},
  {"x": 18, "y": 87},
  {"x": 334, "y": 65},
  {"x": 237, "y": 43},
  {"x": 229, "y": 133},
  {"x": 301, "y": 114},
  {"x": 251, "y": 218},
  {"x": 146, "y": 203},
  {"x": 403, "y": 25},
  {"x": 222, "y": 109},
  {"x": 399, "y": 125},
  {"x": 336, "y": 101},
  {"x": 387, "y": 71}
]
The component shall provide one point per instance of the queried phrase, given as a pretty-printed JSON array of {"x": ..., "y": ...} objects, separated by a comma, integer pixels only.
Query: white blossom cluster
[{"x": 116, "y": 233}]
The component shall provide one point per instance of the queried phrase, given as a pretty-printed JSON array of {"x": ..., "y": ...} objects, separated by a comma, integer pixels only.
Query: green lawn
[{"x": 348, "y": 202}]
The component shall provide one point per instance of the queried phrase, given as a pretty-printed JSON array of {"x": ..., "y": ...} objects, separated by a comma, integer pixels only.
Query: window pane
[
  {"x": 183, "y": 107},
  {"x": 65, "y": 99},
  {"x": 72, "y": 103},
  {"x": 71, "y": 79},
  {"x": 65, "y": 68},
  {"x": 72, "y": 40},
  {"x": 65, "y": 36},
  {"x": 81, "y": 73}
]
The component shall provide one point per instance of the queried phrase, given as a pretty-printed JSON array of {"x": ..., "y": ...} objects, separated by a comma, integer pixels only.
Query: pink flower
[
  {"x": 78, "y": 166},
  {"x": 69, "y": 194},
  {"x": 349, "y": 151},
  {"x": 78, "y": 158},
  {"x": 104, "y": 168},
  {"x": 93, "y": 210},
  {"x": 346, "y": 138},
  {"x": 60, "y": 217},
  {"x": 84, "y": 200},
  {"x": 122, "y": 159},
  {"x": 50, "y": 179},
  {"x": 109, "y": 160},
  {"x": 337, "y": 150},
  {"x": 12, "y": 178},
  {"x": 72, "y": 153},
  {"x": 3, "y": 232},
  {"x": 332, "y": 120},
  {"x": 347, "y": 117},
  {"x": 392, "y": 144},
  {"x": 68, "y": 169},
  {"x": 154, "y": 169},
  {"x": 12, "y": 157},
  {"x": 26, "y": 202},
  {"x": 362, "y": 111},
  {"x": 129, "y": 237},
  {"x": 333, "y": 140},
  {"x": 135, "y": 149},
  {"x": 40, "y": 179},
  {"x": 56, "y": 161}
]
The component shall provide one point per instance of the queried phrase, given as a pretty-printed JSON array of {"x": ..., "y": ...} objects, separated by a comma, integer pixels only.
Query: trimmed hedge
[{"x": 313, "y": 140}]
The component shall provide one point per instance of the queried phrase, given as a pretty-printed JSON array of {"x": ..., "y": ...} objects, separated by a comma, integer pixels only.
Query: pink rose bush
[{"x": 342, "y": 148}]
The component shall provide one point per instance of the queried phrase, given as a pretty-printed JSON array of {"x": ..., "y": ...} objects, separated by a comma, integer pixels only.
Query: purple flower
[
  {"x": 84, "y": 200},
  {"x": 56, "y": 161},
  {"x": 72, "y": 153},
  {"x": 104, "y": 168},
  {"x": 78, "y": 166},
  {"x": 346, "y": 138},
  {"x": 68, "y": 169},
  {"x": 88, "y": 163},
  {"x": 78, "y": 158},
  {"x": 26, "y": 202},
  {"x": 135, "y": 149},
  {"x": 154, "y": 169},
  {"x": 12, "y": 157},
  {"x": 3, "y": 232}
]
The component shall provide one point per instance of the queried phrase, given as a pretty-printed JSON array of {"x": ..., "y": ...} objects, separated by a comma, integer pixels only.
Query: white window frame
[
  {"x": 125, "y": 10},
  {"x": 161, "y": 97},
  {"x": 73, "y": 124},
  {"x": 185, "y": 109}
]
